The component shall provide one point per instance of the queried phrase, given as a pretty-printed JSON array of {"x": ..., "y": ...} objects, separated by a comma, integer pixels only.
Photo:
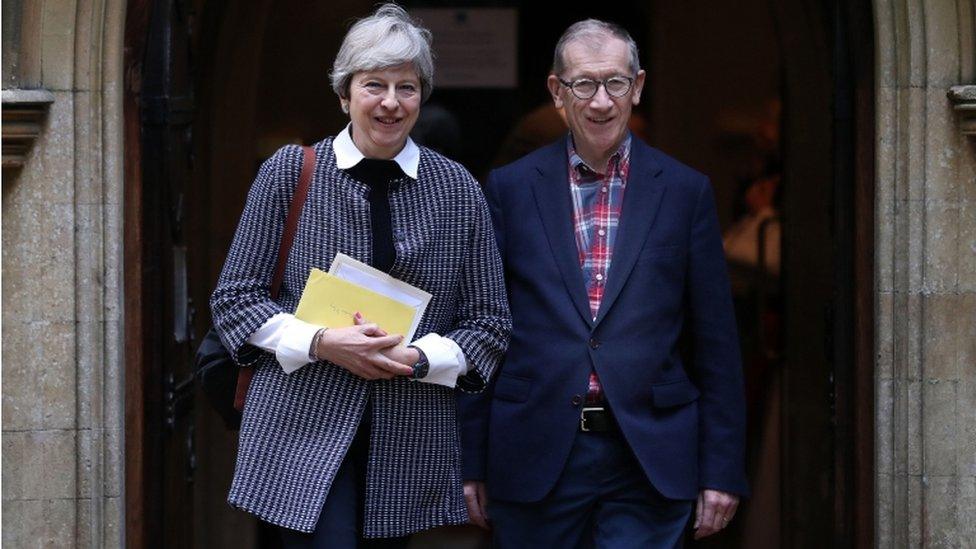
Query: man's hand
[
  {"x": 477, "y": 500},
  {"x": 714, "y": 511}
]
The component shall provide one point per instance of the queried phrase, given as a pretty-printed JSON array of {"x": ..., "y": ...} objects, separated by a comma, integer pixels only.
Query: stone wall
[
  {"x": 62, "y": 378},
  {"x": 926, "y": 278}
]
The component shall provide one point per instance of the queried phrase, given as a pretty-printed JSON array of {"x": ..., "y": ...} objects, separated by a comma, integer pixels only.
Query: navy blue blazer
[{"x": 684, "y": 422}]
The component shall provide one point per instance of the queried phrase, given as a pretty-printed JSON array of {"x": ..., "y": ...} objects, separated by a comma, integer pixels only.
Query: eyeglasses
[{"x": 586, "y": 88}]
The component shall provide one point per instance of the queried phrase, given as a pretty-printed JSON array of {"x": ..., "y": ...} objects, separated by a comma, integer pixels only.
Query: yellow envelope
[{"x": 331, "y": 301}]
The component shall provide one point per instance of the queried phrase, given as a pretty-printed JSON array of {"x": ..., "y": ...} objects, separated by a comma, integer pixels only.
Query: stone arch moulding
[
  {"x": 98, "y": 180},
  {"x": 925, "y": 273}
]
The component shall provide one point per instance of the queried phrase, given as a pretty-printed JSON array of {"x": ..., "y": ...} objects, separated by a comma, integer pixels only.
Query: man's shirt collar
[
  {"x": 622, "y": 155},
  {"x": 348, "y": 155}
]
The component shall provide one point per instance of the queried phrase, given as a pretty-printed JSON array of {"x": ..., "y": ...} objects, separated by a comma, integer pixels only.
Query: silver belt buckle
[{"x": 583, "y": 426}]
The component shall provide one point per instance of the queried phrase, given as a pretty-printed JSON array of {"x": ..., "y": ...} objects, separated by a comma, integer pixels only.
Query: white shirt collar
[{"x": 348, "y": 155}]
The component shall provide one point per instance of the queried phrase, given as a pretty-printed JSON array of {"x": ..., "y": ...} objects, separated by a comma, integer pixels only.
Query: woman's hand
[
  {"x": 396, "y": 353},
  {"x": 360, "y": 350}
]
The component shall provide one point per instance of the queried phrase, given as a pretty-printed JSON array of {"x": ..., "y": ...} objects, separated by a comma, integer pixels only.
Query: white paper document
[{"x": 361, "y": 274}]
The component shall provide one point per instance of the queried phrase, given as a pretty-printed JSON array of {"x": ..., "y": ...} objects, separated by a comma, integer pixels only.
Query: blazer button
[
  {"x": 594, "y": 344},
  {"x": 577, "y": 400}
]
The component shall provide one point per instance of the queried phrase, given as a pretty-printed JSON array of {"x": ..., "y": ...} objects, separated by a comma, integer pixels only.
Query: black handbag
[{"x": 224, "y": 382}]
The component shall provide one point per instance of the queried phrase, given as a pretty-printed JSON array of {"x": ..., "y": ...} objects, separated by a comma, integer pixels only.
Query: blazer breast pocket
[
  {"x": 666, "y": 264},
  {"x": 660, "y": 252},
  {"x": 674, "y": 393},
  {"x": 512, "y": 388}
]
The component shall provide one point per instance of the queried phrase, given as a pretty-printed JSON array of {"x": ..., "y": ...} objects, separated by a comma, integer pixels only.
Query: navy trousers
[
  {"x": 340, "y": 521},
  {"x": 602, "y": 500}
]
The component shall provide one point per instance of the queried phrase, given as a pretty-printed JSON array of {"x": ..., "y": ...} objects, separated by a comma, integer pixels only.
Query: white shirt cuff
[
  {"x": 446, "y": 360},
  {"x": 288, "y": 338}
]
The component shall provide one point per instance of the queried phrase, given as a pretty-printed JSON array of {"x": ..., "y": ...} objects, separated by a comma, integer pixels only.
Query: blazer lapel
[
  {"x": 642, "y": 199},
  {"x": 555, "y": 205}
]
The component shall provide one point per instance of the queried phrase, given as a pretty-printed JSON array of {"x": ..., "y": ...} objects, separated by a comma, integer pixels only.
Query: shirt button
[
  {"x": 594, "y": 344},
  {"x": 604, "y": 189},
  {"x": 577, "y": 400},
  {"x": 602, "y": 232},
  {"x": 599, "y": 276}
]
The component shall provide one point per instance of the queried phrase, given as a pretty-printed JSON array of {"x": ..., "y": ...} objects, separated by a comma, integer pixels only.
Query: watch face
[{"x": 420, "y": 369}]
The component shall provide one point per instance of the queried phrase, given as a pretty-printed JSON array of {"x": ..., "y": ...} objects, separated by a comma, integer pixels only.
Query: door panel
[{"x": 167, "y": 114}]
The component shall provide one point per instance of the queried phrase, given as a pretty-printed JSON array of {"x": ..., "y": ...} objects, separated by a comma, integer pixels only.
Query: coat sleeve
[
  {"x": 242, "y": 302},
  {"x": 474, "y": 410},
  {"x": 483, "y": 322},
  {"x": 717, "y": 360}
]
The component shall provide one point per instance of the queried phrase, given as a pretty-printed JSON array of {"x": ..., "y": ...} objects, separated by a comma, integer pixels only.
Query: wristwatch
[{"x": 422, "y": 366}]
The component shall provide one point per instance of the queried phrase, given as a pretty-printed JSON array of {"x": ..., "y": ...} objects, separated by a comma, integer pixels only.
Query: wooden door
[
  {"x": 827, "y": 203},
  {"x": 160, "y": 460}
]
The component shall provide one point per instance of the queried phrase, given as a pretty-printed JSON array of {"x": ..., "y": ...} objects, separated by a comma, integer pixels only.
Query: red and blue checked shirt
[{"x": 597, "y": 199}]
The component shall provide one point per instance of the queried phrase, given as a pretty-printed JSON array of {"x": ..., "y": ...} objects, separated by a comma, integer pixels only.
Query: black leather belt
[{"x": 597, "y": 419}]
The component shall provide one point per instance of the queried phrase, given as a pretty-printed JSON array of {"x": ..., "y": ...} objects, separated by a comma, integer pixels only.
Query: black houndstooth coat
[{"x": 297, "y": 428}]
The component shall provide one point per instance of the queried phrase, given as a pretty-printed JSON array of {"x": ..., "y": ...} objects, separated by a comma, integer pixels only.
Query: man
[{"x": 596, "y": 431}]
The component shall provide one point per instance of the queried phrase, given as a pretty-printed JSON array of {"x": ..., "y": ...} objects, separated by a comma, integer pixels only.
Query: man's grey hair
[
  {"x": 593, "y": 33},
  {"x": 388, "y": 38}
]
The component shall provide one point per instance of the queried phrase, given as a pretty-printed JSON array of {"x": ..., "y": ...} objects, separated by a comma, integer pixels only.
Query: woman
[{"x": 338, "y": 443}]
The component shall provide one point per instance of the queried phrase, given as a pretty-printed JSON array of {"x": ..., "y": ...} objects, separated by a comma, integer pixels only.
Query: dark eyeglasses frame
[{"x": 572, "y": 86}]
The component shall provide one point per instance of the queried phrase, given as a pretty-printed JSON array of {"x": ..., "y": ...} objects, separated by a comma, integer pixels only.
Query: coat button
[
  {"x": 594, "y": 344},
  {"x": 577, "y": 400}
]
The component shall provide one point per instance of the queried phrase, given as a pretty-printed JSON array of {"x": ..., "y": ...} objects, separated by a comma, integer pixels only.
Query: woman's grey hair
[
  {"x": 593, "y": 33},
  {"x": 388, "y": 38}
]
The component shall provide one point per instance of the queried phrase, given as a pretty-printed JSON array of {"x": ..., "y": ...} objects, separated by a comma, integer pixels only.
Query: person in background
[
  {"x": 596, "y": 432},
  {"x": 349, "y": 438}
]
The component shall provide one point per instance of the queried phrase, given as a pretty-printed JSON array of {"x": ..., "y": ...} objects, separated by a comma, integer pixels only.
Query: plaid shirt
[{"x": 597, "y": 199}]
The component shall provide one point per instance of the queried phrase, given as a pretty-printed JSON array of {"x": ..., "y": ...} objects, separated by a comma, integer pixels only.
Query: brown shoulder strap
[
  {"x": 294, "y": 213},
  {"x": 244, "y": 375}
]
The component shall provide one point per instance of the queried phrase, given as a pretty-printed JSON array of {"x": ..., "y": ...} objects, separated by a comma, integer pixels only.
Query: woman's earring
[{"x": 345, "y": 107}]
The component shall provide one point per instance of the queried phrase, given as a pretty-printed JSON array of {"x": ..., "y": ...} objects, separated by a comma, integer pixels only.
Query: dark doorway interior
[{"x": 771, "y": 99}]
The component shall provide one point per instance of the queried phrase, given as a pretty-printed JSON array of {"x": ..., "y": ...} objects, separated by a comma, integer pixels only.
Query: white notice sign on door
[{"x": 474, "y": 47}]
